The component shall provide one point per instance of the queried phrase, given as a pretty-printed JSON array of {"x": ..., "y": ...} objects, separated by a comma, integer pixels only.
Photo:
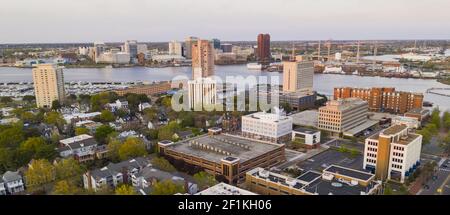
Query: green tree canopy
[
  {"x": 65, "y": 187},
  {"x": 81, "y": 130},
  {"x": 102, "y": 132},
  {"x": 125, "y": 189},
  {"x": 35, "y": 148},
  {"x": 106, "y": 116},
  {"x": 204, "y": 179},
  {"x": 167, "y": 187},
  {"x": 113, "y": 149},
  {"x": 132, "y": 147},
  {"x": 67, "y": 168},
  {"x": 12, "y": 136},
  {"x": 55, "y": 118},
  {"x": 163, "y": 164},
  {"x": 39, "y": 172}
]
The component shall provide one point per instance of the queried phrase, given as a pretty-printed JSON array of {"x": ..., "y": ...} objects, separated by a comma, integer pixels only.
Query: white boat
[
  {"x": 355, "y": 72},
  {"x": 254, "y": 66},
  {"x": 333, "y": 70}
]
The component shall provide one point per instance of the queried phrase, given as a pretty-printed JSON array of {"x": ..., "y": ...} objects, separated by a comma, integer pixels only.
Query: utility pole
[
  {"x": 374, "y": 57},
  {"x": 329, "y": 49},
  {"x": 318, "y": 52},
  {"x": 357, "y": 53}
]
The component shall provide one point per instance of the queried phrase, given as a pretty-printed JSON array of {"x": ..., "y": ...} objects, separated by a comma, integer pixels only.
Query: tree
[
  {"x": 151, "y": 114},
  {"x": 39, "y": 172},
  {"x": 12, "y": 136},
  {"x": 102, "y": 132},
  {"x": 205, "y": 180},
  {"x": 107, "y": 116},
  {"x": 55, "y": 118},
  {"x": 65, "y": 187},
  {"x": 167, "y": 101},
  {"x": 113, "y": 149},
  {"x": 163, "y": 164},
  {"x": 101, "y": 99},
  {"x": 84, "y": 99},
  {"x": 35, "y": 148},
  {"x": 446, "y": 120},
  {"x": 28, "y": 98},
  {"x": 81, "y": 130},
  {"x": 67, "y": 168},
  {"x": 6, "y": 100},
  {"x": 286, "y": 107},
  {"x": 167, "y": 187},
  {"x": 125, "y": 189},
  {"x": 166, "y": 132},
  {"x": 28, "y": 117},
  {"x": 426, "y": 136},
  {"x": 435, "y": 118},
  {"x": 56, "y": 105},
  {"x": 132, "y": 147}
]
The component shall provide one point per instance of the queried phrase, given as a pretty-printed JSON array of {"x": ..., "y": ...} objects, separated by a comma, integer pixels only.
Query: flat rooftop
[
  {"x": 216, "y": 147},
  {"x": 353, "y": 131},
  {"x": 225, "y": 189},
  {"x": 309, "y": 176},
  {"x": 394, "y": 129},
  {"x": 335, "y": 187},
  {"x": 418, "y": 111},
  {"x": 407, "y": 139},
  {"x": 344, "y": 104},
  {"x": 306, "y": 118},
  {"x": 268, "y": 117},
  {"x": 305, "y": 130},
  {"x": 75, "y": 139},
  {"x": 360, "y": 175}
]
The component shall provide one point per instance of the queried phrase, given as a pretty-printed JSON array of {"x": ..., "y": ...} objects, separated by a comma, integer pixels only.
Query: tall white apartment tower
[
  {"x": 202, "y": 92},
  {"x": 175, "y": 48}
]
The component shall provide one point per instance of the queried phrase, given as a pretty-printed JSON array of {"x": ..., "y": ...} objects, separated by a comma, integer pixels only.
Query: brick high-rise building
[
  {"x": 383, "y": 99},
  {"x": 263, "y": 51},
  {"x": 202, "y": 59}
]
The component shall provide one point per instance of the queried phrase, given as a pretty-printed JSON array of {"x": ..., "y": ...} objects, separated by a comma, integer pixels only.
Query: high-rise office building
[
  {"x": 131, "y": 47},
  {"x": 188, "y": 46},
  {"x": 48, "y": 84},
  {"x": 383, "y": 99},
  {"x": 216, "y": 43},
  {"x": 263, "y": 51},
  {"x": 202, "y": 59},
  {"x": 343, "y": 115},
  {"x": 175, "y": 48},
  {"x": 298, "y": 76},
  {"x": 394, "y": 153}
]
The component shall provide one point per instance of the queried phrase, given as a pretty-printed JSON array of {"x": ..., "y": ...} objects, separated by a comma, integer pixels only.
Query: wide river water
[{"x": 323, "y": 83}]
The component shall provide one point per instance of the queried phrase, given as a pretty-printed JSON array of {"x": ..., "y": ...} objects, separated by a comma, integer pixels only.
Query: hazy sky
[{"x": 163, "y": 20}]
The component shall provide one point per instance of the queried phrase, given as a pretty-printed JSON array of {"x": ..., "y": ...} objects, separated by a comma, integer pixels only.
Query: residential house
[
  {"x": 12, "y": 182},
  {"x": 82, "y": 147},
  {"x": 114, "y": 174}
]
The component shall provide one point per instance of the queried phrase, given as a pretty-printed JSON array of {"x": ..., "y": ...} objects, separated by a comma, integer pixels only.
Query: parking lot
[{"x": 329, "y": 157}]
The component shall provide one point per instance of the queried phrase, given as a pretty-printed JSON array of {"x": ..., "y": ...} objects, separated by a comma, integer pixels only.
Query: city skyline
[{"x": 144, "y": 20}]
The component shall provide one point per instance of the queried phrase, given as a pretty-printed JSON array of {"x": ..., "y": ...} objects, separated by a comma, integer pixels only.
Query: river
[{"x": 323, "y": 83}]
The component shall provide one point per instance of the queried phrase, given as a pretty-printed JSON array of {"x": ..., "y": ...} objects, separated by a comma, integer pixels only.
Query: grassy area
[{"x": 444, "y": 81}]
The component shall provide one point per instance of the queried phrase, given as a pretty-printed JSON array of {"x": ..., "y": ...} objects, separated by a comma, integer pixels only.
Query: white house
[
  {"x": 12, "y": 182},
  {"x": 81, "y": 147}
]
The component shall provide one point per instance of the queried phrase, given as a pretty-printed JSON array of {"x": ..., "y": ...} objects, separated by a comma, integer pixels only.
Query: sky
[{"x": 54, "y": 21}]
